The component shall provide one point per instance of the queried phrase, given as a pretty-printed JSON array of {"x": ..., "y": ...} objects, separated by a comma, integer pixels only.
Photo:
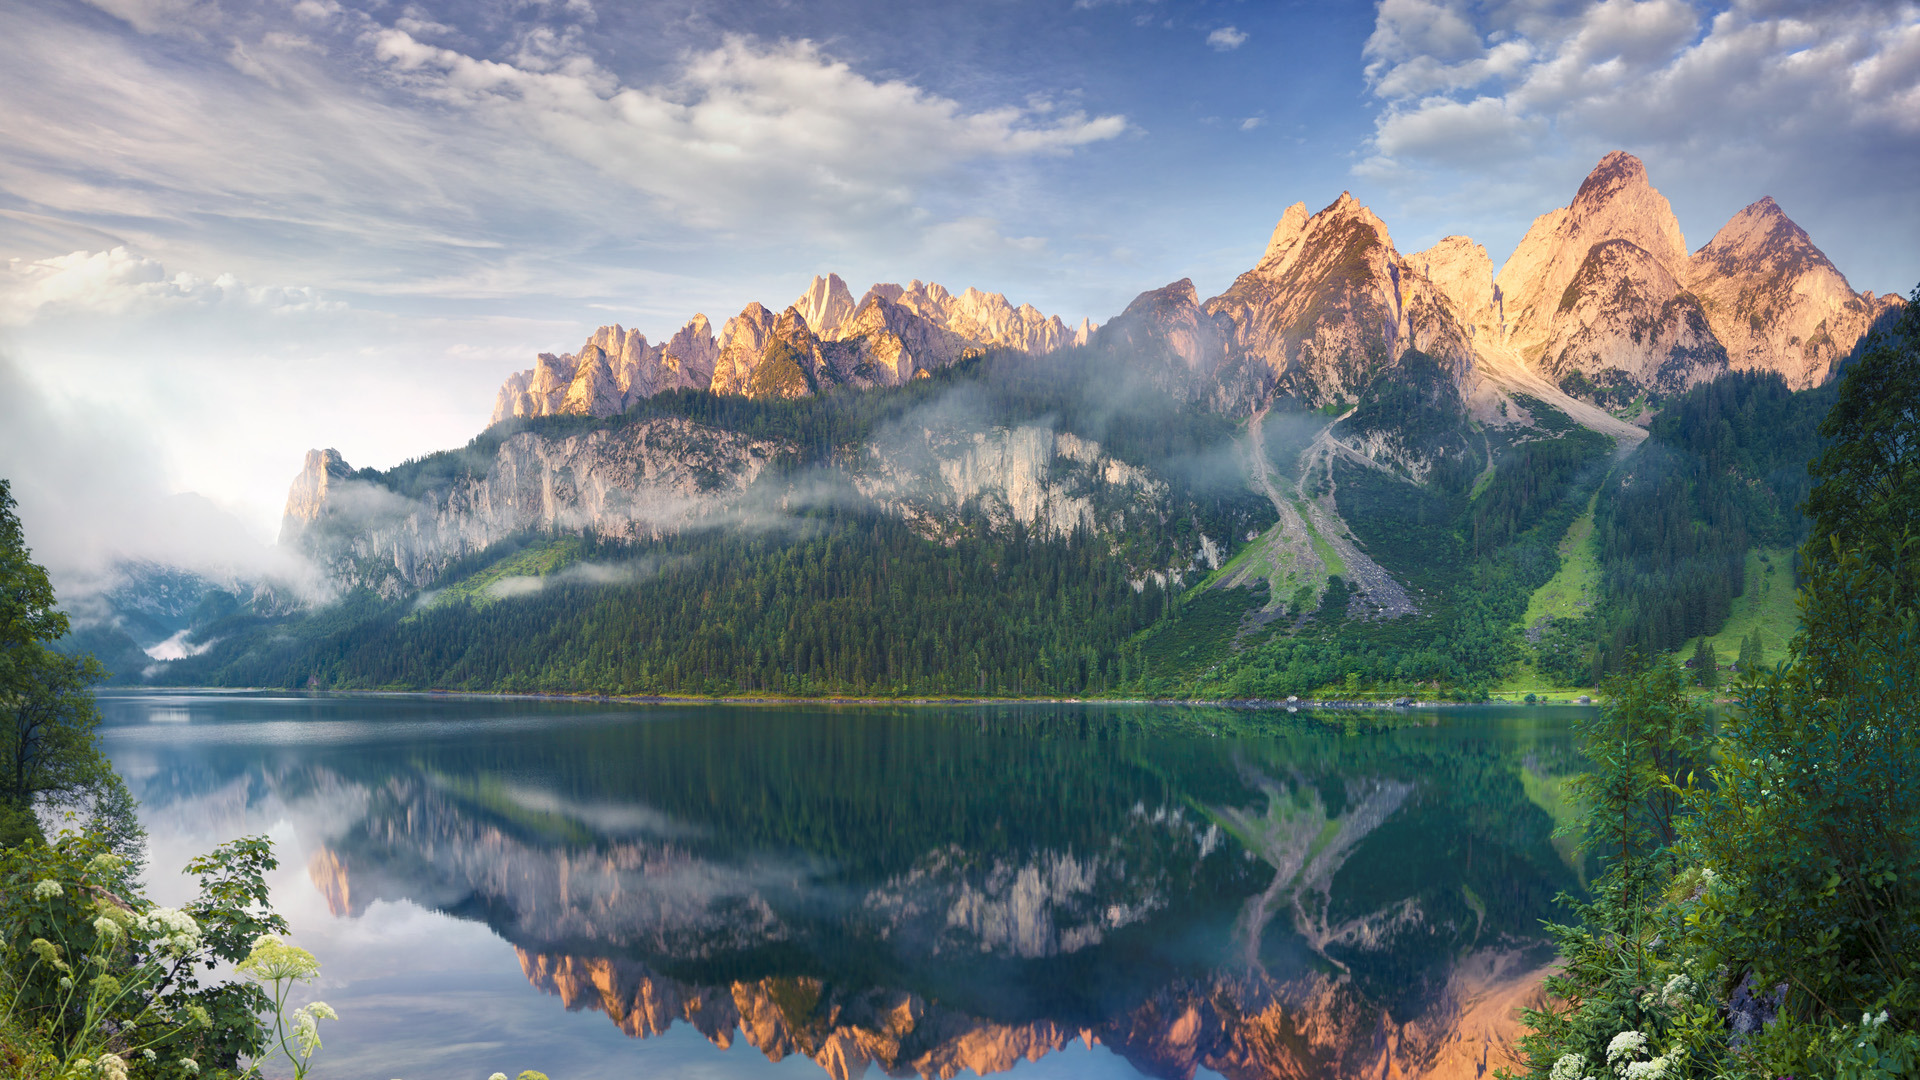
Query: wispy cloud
[{"x": 1226, "y": 39}]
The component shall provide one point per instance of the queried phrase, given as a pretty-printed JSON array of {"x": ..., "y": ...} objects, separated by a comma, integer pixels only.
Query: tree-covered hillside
[{"x": 1476, "y": 523}]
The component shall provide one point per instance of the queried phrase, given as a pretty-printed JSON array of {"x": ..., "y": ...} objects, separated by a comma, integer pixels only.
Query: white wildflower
[
  {"x": 66, "y": 982},
  {"x": 105, "y": 864},
  {"x": 1645, "y": 1070},
  {"x": 1569, "y": 1067},
  {"x": 1678, "y": 991},
  {"x": 498, "y": 1076},
  {"x": 190, "y": 1066},
  {"x": 171, "y": 929},
  {"x": 149, "y": 1054},
  {"x": 1625, "y": 1045},
  {"x": 47, "y": 890},
  {"x": 107, "y": 929},
  {"x": 1707, "y": 875},
  {"x": 111, "y": 1066},
  {"x": 306, "y": 1026}
]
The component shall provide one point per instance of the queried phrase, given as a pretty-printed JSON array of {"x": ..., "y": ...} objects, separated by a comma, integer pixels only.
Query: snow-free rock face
[
  {"x": 1331, "y": 305},
  {"x": 1777, "y": 303},
  {"x": 1053, "y": 483},
  {"x": 614, "y": 369},
  {"x": 1615, "y": 203},
  {"x": 641, "y": 480},
  {"x": 892, "y": 334},
  {"x": 1625, "y": 314},
  {"x": 308, "y": 498}
]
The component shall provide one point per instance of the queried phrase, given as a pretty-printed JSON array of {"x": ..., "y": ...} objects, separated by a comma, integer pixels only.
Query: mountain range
[{"x": 1347, "y": 440}]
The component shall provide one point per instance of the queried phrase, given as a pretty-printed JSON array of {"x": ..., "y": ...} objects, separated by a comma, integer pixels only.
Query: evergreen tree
[{"x": 1706, "y": 665}]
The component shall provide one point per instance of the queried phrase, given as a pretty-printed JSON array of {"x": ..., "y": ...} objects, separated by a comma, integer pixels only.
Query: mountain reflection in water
[{"x": 931, "y": 890}]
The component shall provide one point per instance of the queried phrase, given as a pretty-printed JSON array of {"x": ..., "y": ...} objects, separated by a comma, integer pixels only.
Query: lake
[{"x": 598, "y": 890}]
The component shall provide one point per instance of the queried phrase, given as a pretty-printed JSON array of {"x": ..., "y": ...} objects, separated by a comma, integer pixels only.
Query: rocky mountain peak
[
  {"x": 1775, "y": 301},
  {"x": 826, "y": 304},
  {"x": 1615, "y": 204},
  {"x": 1331, "y": 303},
  {"x": 1763, "y": 238},
  {"x": 307, "y": 497}
]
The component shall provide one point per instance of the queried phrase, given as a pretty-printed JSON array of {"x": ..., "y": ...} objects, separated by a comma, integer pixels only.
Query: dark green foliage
[
  {"x": 1609, "y": 389},
  {"x": 1705, "y": 665},
  {"x": 1868, "y": 493},
  {"x": 1723, "y": 470},
  {"x": 159, "y": 986},
  {"x": 844, "y": 604},
  {"x": 48, "y": 755},
  {"x": 1532, "y": 479}
]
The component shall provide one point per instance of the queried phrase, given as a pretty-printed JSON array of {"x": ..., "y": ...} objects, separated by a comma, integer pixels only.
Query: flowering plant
[{"x": 110, "y": 982}]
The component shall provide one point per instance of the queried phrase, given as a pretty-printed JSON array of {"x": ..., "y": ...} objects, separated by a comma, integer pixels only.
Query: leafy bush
[{"x": 94, "y": 978}]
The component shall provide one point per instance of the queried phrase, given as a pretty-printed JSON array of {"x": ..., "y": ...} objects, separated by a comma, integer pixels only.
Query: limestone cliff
[
  {"x": 1052, "y": 482},
  {"x": 308, "y": 500},
  {"x": 644, "y": 479},
  {"x": 1776, "y": 302},
  {"x": 651, "y": 478}
]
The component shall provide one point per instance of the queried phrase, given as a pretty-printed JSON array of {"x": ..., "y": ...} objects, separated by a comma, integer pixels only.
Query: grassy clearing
[
  {"x": 1268, "y": 558},
  {"x": 1573, "y": 591},
  {"x": 1768, "y": 605},
  {"x": 485, "y": 586}
]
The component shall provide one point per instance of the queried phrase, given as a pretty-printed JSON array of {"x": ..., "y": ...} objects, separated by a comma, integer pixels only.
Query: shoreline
[{"x": 1244, "y": 704}]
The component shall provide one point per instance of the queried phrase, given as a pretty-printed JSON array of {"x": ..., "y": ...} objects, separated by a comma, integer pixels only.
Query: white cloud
[
  {"x": 119, "y": 283},
  {"x": 1252, "y": 122},
  {"x": 1645, "y": 71},
  {"x": 1227, "y": 38},
  {"x": 747, "y": 128}
]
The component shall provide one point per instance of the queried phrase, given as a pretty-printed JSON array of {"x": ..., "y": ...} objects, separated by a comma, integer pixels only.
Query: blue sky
[{"x": 234, "y": 229}]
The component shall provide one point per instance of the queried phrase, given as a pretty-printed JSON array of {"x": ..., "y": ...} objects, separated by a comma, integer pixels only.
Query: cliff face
[
  {"x": 1775, "y": 302},
  {"x": 1052, "y": 482},
  {"x": 644, "y": 479},
  {"x": 652, "y": 478}
]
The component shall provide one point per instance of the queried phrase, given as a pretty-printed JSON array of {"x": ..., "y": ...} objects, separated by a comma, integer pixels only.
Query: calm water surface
[{"x": 731, "y": 891}]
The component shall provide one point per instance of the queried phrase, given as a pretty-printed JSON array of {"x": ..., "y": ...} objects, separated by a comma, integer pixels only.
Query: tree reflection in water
[{"x": 928, "y": 891}]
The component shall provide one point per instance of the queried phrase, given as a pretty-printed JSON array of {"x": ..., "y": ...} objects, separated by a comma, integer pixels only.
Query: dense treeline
[
  {"x": 852, "y": 604},
  {"x": 1724, "y": 469}
]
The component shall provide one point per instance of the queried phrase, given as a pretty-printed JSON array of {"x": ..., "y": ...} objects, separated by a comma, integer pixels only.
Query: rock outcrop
[
  {"x": 644, "y": 479},
  {"x": 1775, "y": 302},
  {"x": 614, "y": 369},
  {"x": 823, "y": 338},
  {"x": 309, "y": 500}
]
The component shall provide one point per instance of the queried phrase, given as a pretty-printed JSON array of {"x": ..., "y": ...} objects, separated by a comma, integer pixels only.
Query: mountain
[
  {"x": 1777, "y": 303},
  {"x": 822, "y": 339},
  {"x": 1354, "y": 464}
]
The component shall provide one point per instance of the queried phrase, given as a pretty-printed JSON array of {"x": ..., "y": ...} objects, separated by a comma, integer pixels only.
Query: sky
[{"x": 234, "y": 230}]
